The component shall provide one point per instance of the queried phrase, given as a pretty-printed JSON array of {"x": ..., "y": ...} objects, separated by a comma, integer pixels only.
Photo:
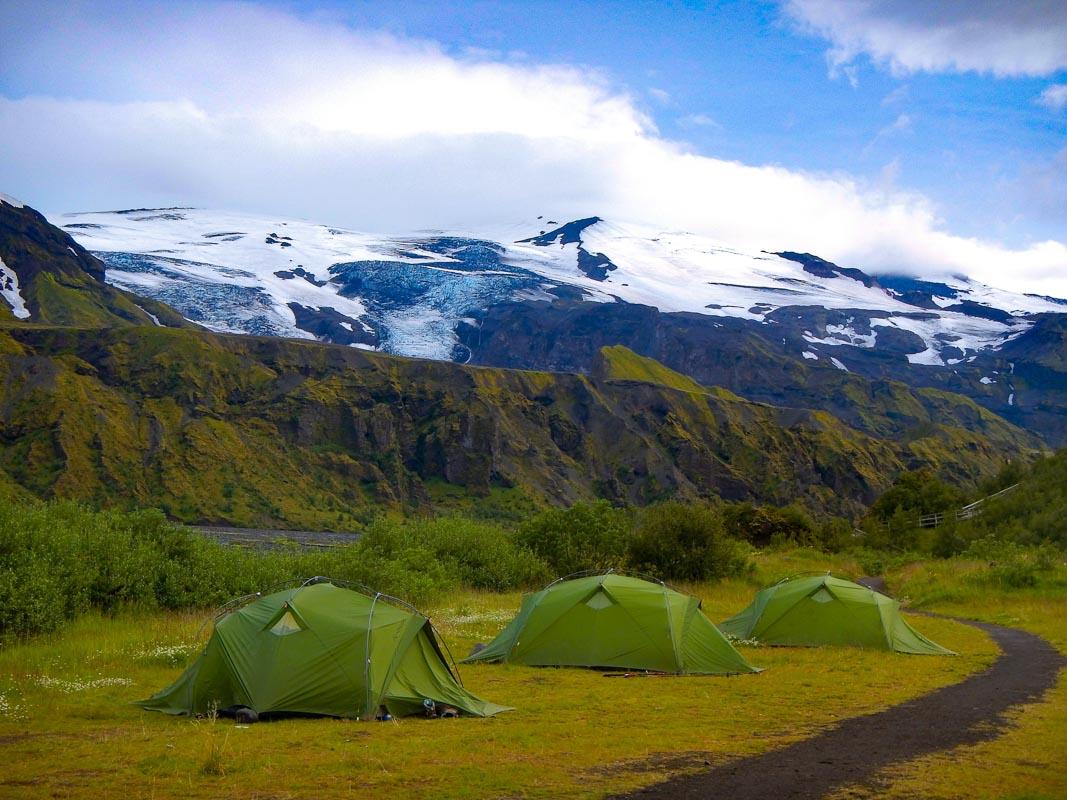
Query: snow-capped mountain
[{"x": 408, "y": 294}]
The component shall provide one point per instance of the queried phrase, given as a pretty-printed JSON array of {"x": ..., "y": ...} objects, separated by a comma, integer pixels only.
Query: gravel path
[
  {"x": 269, "y": 538},
  {"x": 854, "y": 751}
]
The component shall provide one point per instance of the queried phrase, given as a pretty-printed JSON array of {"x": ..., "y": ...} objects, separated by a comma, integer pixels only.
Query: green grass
[
  {"x": 68, "y": 729},
  {"x": 619, "y": 363}
]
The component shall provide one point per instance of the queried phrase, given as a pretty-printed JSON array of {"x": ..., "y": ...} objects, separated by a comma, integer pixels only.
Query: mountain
[
  {"x": 114, "y": 407},
  {"x": 774, "y": 327},
  {"x": 47, "y": 277}
]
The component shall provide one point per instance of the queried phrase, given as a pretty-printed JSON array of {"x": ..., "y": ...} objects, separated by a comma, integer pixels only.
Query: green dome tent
[
  {"x": 823, "y": 610},
  {"x": 319, "y": 648},
  {"x": 614, "y": 621}
]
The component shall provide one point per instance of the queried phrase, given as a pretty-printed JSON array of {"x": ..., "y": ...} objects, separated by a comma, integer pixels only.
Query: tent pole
[
  {"x": 366, "y": 658},
  {"x": 670, "y": 628}
]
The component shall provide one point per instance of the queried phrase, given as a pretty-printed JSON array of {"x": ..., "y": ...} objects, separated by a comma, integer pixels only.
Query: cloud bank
[
  {"x": 240, "y": 107},
  {"x": 992, "y": 36}
]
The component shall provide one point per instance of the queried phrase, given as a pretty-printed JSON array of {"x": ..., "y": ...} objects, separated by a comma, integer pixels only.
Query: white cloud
[
  {"x": 995, "y": 36},
  {"x": 234, "y": 106},
  {"x": 901, "y": 125},
  {"x": 661, "y": 96},
  {"x": 903, "y": 122},
  {"x": 898, "y": 95},
  {"x": 698, "y": 121},
  {"x": 1054, "y": 98}
]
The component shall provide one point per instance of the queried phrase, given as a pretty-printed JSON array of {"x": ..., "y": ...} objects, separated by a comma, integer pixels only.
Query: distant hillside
[
  {"x": 618, "y": 363},
  {"x": 573, "y": 337},
  {"x": 271, "y": 432}
]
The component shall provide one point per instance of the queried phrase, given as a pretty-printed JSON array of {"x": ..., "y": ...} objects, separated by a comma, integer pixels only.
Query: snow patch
[
  {"x": 930, "y": 357},
  {"x": 843, "y": 334},
  {"x": 838, "y": 364},
  {"x": 11, "y": 201},
  {"x": 986, "y": 380},
  {"x": 1011, "y": 399},
  {"x": 152, "y": 317},
  {"x": 810, "y": 355},
  {"x": 850, "y": 336},
  {"x": 9, "y": 288}
]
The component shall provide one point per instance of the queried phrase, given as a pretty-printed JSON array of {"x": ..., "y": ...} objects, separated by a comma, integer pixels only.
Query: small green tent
[
  {"x": 617, "y": 622},
  {"x": 822, "y": 610},
  {"x": 319, "y": 648}
]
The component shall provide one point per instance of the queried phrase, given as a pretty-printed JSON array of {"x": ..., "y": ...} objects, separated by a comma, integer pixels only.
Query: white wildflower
[
  {"x": 72, "y": 686},
  {"x": 10, "y": 709},
  {"x": 472, "y": 618},
  {"x": 170, "y": 654}
]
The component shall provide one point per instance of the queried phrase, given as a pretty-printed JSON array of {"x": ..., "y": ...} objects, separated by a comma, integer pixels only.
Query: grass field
[{"x": 67, "y": 729}]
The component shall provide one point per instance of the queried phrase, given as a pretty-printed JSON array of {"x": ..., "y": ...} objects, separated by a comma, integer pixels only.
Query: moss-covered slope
[
  {"x": 61, "y": 283},
  {"x": 278, "y": 432}
]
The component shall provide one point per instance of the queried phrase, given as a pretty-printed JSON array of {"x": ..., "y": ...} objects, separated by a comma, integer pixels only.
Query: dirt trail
[{"x": 964, "y": 713}]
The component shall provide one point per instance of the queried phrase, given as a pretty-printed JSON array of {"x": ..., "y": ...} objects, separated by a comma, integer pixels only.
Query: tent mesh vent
[
  {"x": 285, "y": 625},
  {"x": 822, "y": 596},
  {"x": 599, "y": 600}
]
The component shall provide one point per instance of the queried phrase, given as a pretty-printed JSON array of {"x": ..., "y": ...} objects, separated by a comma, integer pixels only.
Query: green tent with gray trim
[
  {"x": 824, "y": 610},
  {"x": 319, "y": 648},
  {"x": 614, "y": 621}
]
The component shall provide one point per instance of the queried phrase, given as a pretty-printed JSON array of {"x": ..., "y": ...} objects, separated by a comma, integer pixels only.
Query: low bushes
[
  {"x": 673, "y": 541},
  {"x": 476, "y": 554},
  {"x": 583, "y": 537},
  {"x": 685, "y": 542},
  {"x": 1011, "y": 565},
  {"x": 58, "y": 560}
]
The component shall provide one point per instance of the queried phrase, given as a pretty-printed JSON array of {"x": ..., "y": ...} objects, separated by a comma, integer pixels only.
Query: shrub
[
  {"x": 477, "y": 554},
  {"x": 585, "y": 536},
  {"x": 680, "y": 541},
  {"x": 835, "y": 534},
  {"x": 914, "y": 494},
  {"x": 1011, "y": 565},
  {"x": 58, "y": 560},
  {"x": 764, "y": 525}
]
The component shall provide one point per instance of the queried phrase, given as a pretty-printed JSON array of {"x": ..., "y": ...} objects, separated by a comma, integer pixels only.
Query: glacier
[{"x": 406, "y": 294}]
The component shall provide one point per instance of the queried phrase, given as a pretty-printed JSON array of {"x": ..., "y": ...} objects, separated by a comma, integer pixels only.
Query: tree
[
  {"x": 679, "y": 541},
  {"x": 583, "y": 537},
  {"x": 916, "y": 493}
]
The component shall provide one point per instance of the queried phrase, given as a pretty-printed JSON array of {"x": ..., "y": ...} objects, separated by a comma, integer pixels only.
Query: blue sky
[
  {"x": 744, "y": 81},
  {"x": 884, "y": 134}
]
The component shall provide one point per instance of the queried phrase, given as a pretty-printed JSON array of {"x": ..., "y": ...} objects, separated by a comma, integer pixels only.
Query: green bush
[
  {"x": 586, "y": 536},
  {"x": 476, "y": 554},
  {"x": 679, "y": 541},
  {"x": 1011, "y": 565},
  {"x": 915, "y": 494},
  {"x": 58, "y": 560},
  {"x": 787, "y": 525},
  {"x": 834, "y": 535}
]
